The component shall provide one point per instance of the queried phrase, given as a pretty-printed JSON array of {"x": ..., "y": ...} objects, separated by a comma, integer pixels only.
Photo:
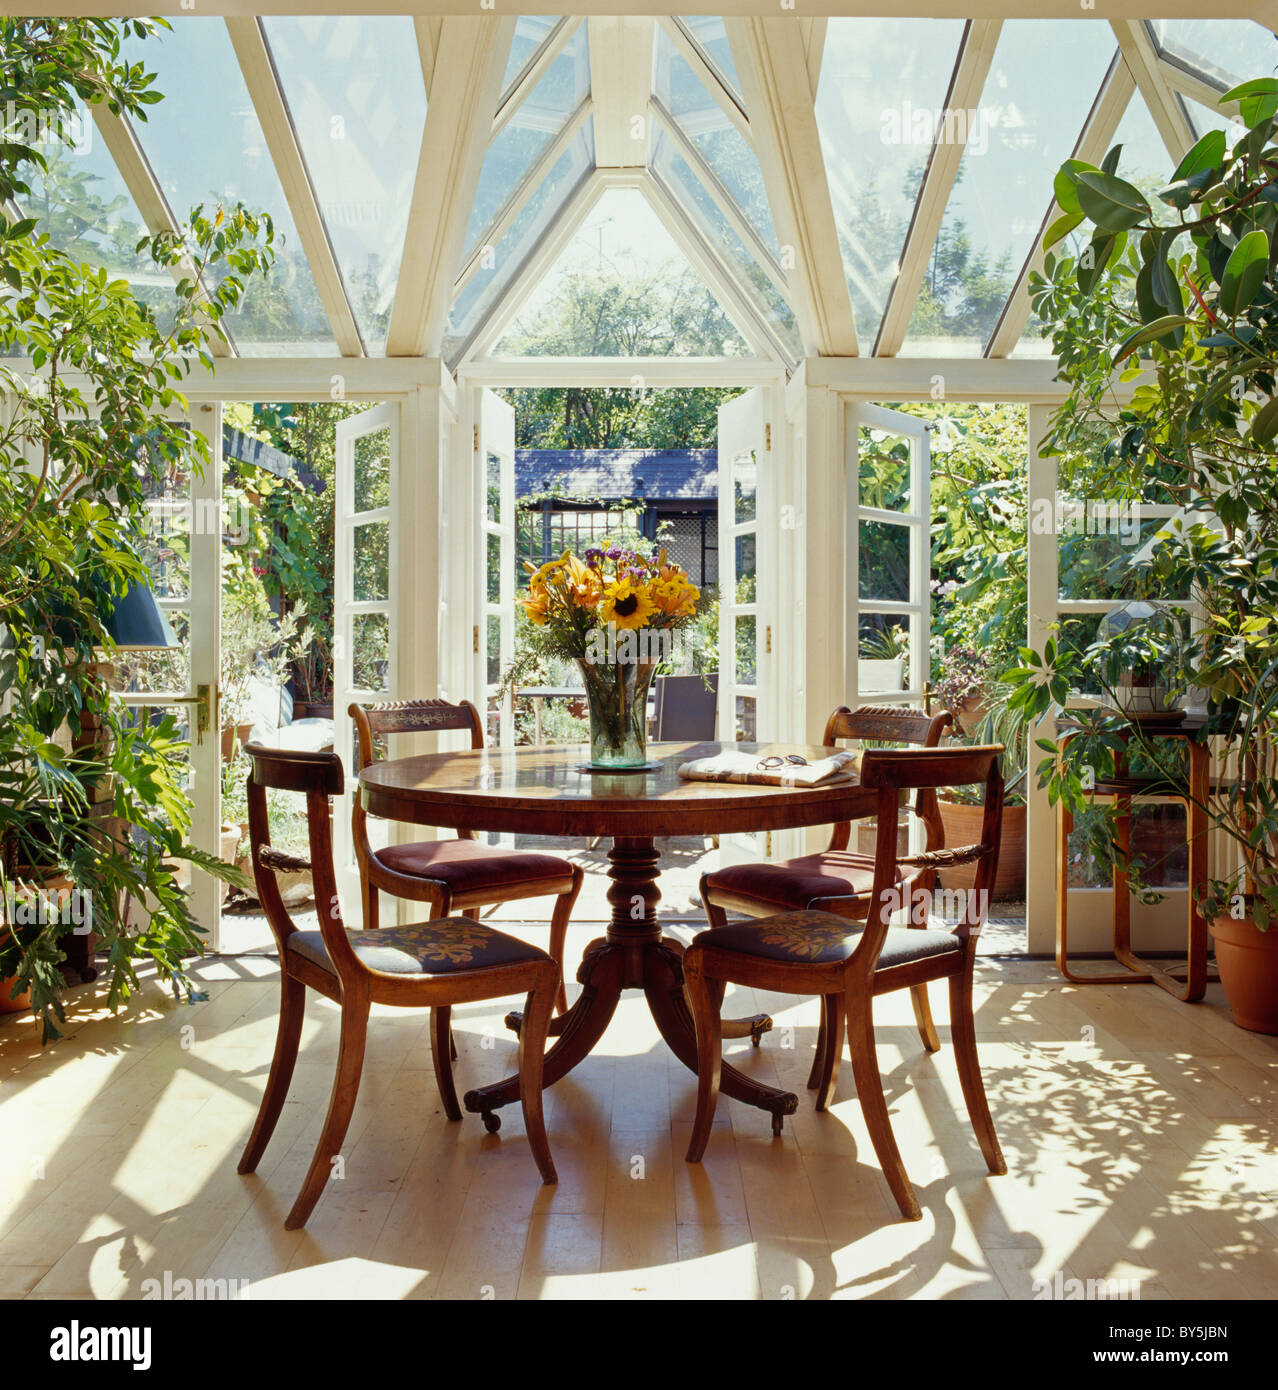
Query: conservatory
[{"x": 845, "y": 347}]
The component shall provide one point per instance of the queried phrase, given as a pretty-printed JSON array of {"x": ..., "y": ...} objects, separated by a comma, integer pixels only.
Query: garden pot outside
[
  {"x": 233, "y": 738},
  {"x": 969, "y": 712},
  {"x": 963, "y": 827},
  {"x": 1247, "y": 959}
]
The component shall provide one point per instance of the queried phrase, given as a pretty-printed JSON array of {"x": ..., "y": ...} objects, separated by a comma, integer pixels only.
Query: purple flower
[{"x": 613, "y": 553}]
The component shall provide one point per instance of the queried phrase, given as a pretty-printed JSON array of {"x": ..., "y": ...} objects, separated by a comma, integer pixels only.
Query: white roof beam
[
  {"x": 971, "y": 68},
  {"x": 723, "y": 200},
  {"x": 1164, "y": 106},
  {"x": 536, "y": 68},
  {"x": 524, "y": 190},
  {"x": 469, "y": 67},
  {"x": 1094, "y": 141},
  {"x": 144, "y": 188},
  {"x": 620, "y": 82},
  {"x": 1199, "y": 89},
  {"x": 426, "y": 29},
  {"x": 814, "y": 32},
  {"x": 772, "y": 66},
  {"x": 265, "y": 92},
  {"x": 691, "y": 53}
]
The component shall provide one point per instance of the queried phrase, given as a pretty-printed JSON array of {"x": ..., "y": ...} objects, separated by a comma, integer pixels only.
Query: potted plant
[
  {"x": 963, "y": 688},
  {"x": 1191, "y": 292}
]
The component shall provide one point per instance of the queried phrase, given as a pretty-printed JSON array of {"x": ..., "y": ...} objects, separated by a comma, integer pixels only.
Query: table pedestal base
[{"x": 633, "y": 955}]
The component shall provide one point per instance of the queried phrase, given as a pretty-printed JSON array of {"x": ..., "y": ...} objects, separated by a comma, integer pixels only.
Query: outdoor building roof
[
  {"x": 657, "y": 475},
  {"x": 475, "y": 188}
]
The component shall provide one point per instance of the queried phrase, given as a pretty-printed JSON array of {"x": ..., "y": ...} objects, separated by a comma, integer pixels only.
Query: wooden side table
[{"x": 1124, "y": 790}]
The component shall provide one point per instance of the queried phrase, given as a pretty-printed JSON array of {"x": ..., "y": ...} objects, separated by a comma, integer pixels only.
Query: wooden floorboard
[{"x": 1141, "y": 1137}]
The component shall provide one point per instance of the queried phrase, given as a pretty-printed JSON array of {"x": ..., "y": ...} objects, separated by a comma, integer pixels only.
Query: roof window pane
[{"x": 1224, "y": 51}]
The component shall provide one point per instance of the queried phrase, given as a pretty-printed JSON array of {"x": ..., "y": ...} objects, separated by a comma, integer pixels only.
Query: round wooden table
[{"x": 545, "y": 791}]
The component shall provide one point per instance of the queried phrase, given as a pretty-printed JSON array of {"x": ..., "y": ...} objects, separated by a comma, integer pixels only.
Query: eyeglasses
[{"x": 776, "y": 760}]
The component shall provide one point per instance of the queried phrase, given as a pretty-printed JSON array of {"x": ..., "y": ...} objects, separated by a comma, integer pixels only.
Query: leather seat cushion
[
  {"x": 821, "y": 938},
  {"x": 467, "y": 866},
  {"x": 441, "y": 947},
  {"x": 798, "y": 882}
]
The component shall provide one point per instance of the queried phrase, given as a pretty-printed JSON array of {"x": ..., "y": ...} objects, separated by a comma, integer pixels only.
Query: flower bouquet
[{"x": 615, "y": 612}]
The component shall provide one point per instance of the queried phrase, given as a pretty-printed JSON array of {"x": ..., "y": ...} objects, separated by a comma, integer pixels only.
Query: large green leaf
[
  {"x": 1257, "y": 100},
  {"x": 1064, "y": 184},
  {"x": 1208, "y": 153},
  {"x": 1264, "y": 426},
  {"x": 1061, "y": 227},
  {"x": 1244, "y": 272},
  {"x": 1110, "y": 202},
  {"x": 1148, "y": 333}
]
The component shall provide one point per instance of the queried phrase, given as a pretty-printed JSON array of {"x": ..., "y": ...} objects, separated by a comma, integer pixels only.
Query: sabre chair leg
[
  {"x": 829, "y": 1050},
  {"x": 564, "y": 904},
  {"x": 287, "y": 1037},
  {"x": 442, "y": 1052},
  {"x": 923, "y": 1017},
  {"x": 869, "y": 1091},
  {"x": 350, "y": 1064},
  {"x": 706, "y": 1000},
  {"x": 532, "y": 1049},
  {"x": 963, "y": 1031}
]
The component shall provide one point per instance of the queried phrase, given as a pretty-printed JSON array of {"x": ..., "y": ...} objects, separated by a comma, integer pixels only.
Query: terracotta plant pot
[
  {"x": 1248, "y": 962},
  {"x": 233, "y": 738},
  {"x": 963, "y": 827},
  {"x": 969, "y": 712},
  {"x": 11, "y": 1003}
]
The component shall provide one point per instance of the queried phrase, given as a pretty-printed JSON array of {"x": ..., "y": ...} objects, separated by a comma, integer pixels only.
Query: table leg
[{"x": 633, "y": 955}]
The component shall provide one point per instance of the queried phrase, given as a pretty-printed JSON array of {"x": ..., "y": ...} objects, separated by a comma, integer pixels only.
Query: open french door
[
  {"x": 495, "y": 508},
  {"x": 889, "y": 561},
  {"x": 364, "y": 618},
  {"x": 745, "y": 532}
]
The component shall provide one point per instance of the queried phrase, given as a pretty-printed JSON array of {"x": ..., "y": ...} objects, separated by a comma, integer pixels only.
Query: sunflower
[{"x": 626, "y": 604}]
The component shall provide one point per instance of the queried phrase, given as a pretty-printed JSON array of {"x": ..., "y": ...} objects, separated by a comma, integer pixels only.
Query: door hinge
[
  {"x": 476, "y": 439},
  {"x": 767, "y": 438},
  {"x": 475, "y": 632},
  {"x": 767, "y": 639}
]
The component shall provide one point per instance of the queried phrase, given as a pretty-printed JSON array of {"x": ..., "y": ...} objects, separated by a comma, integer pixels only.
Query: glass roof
[
  {"x": 539, "y": 118},
  {"x": 205, "y": 144},
  {"x": 880, "y": 80},
  {"x": 1028, "y": 122},
  {"x": 355, "y": 92},
  {"x": 1225, "y": 51},
  {"x": 531, "y": 32},
  {"x": 716, "y": 139},
  {"x": 710, "y": 36},
  {"x": 622, "y": 288}
]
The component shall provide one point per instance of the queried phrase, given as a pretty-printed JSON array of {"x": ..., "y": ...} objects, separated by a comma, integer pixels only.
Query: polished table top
[{"x": 547, "y": 791}]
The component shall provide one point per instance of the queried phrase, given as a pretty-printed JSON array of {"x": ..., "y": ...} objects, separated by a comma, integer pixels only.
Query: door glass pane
[
  {"x": 747, "y": 672},
  {"x": 372, "y": 470},
  {"x": 494, "y": 568},
  {"x": 371, "y": 661},
  {"x": 493, "y": 486},
  {"x": 355, "y": 91},
  {"x": 884, "y": 561},
  {"x": 883, "y": 471},
  {"x": 371, "y": 544},
  {"x": 493, "y": 648},
  {"x": 154, "y": 671},
  {"x": 1099, "y": 551},
  {"x": 883, "y": 654},
  {"x": 745, "y": 482},
  {"x": 747, "y": 578},
  {"x": 747, "y": 730}
]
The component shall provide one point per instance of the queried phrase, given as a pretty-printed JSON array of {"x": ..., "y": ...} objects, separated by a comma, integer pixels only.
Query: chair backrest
[
  {"x": 893, "y": 771},
  {"x": 687, "y": 708},
  {"x": 895, "y": 725},
  {"x": 411, "y": 717},
  {"x": 318, "y": 776}
]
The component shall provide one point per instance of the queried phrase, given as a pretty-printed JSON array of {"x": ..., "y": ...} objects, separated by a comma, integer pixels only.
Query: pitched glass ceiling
[
  {"x": 355, "y": 92},
  {"x": 880, "y": 81},
  {"x": 1028, "y": 122},
  {"x": 708, "y": 33},
  {"x": 1225, "y": 51},
  {"x": 622, "y": 288},
  {"x": 531, "y": 32},
  {"x": 205, "y": 144}
]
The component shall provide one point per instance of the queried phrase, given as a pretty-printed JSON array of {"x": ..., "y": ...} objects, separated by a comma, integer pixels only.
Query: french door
[
  {"x": 746, "y": 525},
  {"x": 888, "y": 548},
  {"x": 494, "y": 644},
  {"x": 365, "y": 540}
]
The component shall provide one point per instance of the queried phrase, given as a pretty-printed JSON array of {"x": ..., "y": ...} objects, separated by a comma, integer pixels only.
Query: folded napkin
[{"x": 744, "y": 767}]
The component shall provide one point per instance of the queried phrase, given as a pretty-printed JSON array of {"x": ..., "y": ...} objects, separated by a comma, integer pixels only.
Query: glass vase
[{"x": 617, "y": 696}]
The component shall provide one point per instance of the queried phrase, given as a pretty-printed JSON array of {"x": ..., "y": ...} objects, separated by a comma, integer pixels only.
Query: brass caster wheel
[{"x": 492, "y": 1121}]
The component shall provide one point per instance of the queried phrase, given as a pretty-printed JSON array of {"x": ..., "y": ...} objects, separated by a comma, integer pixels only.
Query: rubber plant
[{"x": 90, "y": 378}]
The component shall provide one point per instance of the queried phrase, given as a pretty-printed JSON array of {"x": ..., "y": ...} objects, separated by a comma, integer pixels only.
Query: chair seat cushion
[
  {"x": 427, "y": 948},
  {"x": 821, "y": 938},
  {"x": 467, "y": 866},
  {"x": 798, "y": 882}
]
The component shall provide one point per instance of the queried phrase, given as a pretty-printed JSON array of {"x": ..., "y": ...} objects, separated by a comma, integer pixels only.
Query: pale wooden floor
[{"x": 1140, "y": 1135}]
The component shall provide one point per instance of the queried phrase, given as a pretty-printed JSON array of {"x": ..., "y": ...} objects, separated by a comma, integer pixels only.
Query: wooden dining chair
[
  {"x": 826, "y": 954},
  {"x": 457, "y": 874},
  {"x": 837, "y": 879},
  {"x": 434, "y": 965}
]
